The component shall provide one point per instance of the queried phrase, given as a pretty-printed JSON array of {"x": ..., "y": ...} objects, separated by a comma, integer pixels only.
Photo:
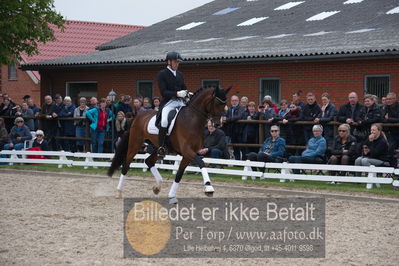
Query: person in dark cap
[
  {"x": 18, "y": 134},
  {"x": 173, "y": 91},
  {"x": 26, "y": 98}
]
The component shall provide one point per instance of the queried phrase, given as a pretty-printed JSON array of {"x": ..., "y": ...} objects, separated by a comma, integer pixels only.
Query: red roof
[{"x": 79, "y": 37}]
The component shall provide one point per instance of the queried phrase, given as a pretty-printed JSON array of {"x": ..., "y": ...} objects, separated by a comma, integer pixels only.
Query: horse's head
[
  {"x": 218, "y": 101},
  {"x": 210, "y": 101}
]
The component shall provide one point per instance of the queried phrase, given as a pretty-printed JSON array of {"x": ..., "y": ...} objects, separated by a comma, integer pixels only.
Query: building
[
  {"x": 259, "y": 47},
  {"x": 78, "y": 37}
]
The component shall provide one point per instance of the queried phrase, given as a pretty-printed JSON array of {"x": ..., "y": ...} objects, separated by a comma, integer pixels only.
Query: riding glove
[{"x": 182, "y": 93}]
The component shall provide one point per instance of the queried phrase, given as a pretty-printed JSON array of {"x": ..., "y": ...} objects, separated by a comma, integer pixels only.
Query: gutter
[{"x": 189, "y": 61}]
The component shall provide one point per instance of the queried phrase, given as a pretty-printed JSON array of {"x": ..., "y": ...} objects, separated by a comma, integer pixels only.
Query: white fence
[{"x": 281, "y": 171}]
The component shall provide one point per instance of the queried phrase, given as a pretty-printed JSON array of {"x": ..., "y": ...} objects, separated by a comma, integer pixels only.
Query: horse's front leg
[
  {"x": 208, "y": 189},
  {"x": 150, "y": 162},
  {"x": 173, "y": 189}
]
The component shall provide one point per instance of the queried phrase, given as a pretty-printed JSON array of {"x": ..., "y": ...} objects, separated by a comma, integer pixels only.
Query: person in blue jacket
[
  {"x": 272, "y": 150},
  {"x": 18, "y": 134},
  {"x": 315, "y": 151},
  {"x": 100, "y": 118}
]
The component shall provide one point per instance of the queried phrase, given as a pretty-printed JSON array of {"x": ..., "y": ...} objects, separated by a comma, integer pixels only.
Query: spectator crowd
[{"x": 361, "y": 137}]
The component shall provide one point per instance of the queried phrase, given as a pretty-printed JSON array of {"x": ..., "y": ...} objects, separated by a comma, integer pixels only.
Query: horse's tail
[{"x": 120, "y": 153}]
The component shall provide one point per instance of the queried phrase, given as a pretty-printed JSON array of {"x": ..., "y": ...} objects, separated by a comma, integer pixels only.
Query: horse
[{"x": 186, "y": 139}]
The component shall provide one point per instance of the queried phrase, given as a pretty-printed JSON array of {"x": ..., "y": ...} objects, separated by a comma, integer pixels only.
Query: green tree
[{"x": 24, "y": 24}]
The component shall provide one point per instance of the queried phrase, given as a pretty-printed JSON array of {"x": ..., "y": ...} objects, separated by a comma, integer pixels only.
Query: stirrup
[{"x": 161, "y": 152}]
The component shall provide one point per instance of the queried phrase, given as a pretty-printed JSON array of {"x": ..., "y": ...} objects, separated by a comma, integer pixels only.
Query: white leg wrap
[
  {"x": 156, "y": 174},
  {"x": 121, "y": 181},
  {"x": 173, "y": 190},
  {"x": 205, "y": 175}
]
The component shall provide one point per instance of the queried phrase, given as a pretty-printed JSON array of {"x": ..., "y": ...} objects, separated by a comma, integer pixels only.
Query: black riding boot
[{"x": 161, "y": 138}]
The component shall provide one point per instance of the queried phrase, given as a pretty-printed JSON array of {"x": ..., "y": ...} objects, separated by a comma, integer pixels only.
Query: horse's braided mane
[{"x": 196, "y": 94}]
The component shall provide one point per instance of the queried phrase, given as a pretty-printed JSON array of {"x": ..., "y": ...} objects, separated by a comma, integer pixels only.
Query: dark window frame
[
  {"x": 68, "y": 89},
  {"x": 275, "y": 101},
  {"x": 209, "y": 80},
  {"x": 145, "y": 81},
  {"x": 366, "y": 77},
  {"x": 12, "y": 69}
]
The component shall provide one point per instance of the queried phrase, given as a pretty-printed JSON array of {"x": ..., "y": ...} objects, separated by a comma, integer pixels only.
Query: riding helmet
[{"x": 173, "y": 56}]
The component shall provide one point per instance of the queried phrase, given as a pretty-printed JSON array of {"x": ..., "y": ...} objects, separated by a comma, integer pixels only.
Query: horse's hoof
[
  {"x": 209, "y": 194},
  {"x": 173, "y": 200},
  {"x": 209, "y": 188},
  {"x": 156, "y": 189},
  {"x": 119, "y": 194}
]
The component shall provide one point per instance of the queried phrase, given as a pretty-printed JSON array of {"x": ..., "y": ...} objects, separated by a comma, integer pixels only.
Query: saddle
[{"x": 155, "y": 122}]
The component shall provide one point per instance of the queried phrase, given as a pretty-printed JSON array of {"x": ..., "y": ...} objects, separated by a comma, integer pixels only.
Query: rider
[{"x": 173, "y": 91}]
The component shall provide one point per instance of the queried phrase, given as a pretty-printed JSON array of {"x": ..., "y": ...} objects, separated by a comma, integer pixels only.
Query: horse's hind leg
[
  {"x": 134, "y": 147},
  {"x": 150, "y": 162}
]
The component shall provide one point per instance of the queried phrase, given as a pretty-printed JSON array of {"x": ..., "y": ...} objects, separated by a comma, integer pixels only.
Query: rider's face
[{"x": 174, "y": 64}]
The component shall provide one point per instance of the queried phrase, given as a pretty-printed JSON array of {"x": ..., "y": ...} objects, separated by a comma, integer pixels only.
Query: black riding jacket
[{"x": 169, "y": 84}]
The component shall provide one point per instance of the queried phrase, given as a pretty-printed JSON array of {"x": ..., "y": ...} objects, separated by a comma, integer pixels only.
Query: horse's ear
[{"x": 228, "y": 89}]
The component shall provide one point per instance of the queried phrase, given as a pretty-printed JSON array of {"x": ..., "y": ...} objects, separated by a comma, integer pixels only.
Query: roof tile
[{"x": 79, "y": 37}]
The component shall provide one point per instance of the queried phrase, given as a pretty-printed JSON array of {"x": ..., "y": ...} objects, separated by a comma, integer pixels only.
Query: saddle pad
[{"x": 152, "y": 129}]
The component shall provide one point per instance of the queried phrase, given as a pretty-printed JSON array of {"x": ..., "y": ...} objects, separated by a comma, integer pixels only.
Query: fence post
[
  {"x": 13, "y": 156},
  {"x": 284, "y": 171},
  {"x": 61, "y": 158},
  {"x": 88, "y": 161},
  {"x": 371, "y": 175},
  {"x": 176, "y": 164},
  {"x": 247, "y": 168}
]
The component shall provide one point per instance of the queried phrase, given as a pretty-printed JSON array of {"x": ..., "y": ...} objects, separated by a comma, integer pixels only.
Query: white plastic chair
[{"x": 28, "y": 143}]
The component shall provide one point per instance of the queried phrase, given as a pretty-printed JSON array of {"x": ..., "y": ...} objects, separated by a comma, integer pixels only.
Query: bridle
[{"x": 208, "y": 115}]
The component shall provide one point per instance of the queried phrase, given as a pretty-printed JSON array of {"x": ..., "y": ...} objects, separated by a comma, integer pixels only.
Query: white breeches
[{"x": 172, "y": 104}]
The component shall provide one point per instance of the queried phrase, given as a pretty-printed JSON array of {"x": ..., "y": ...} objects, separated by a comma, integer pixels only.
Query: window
[
  {"x": 226, "y": 11},
  {"x": 144, "y": 88},
  {"x": 322, "y": 15},
  {"x": 251, "y": 21},
  {"x": 206, "y": 83},
  {"x": 12, "y": 72},
  {"x": 377, "y": 85},
  {"x": 76, "y": 90},
  {"x": 190, "y": 25},
  {"x": 270, "y": 86}
]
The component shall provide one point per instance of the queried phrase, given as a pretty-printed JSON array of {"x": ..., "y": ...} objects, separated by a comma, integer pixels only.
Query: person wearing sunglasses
[
  {"x": 343, "y": 150},
  {"x": 272, "y": 150},
  {"x": 18, "y": 134},
  {"x": 344, "y": 147},
  {"x": 40, "y": 141}
]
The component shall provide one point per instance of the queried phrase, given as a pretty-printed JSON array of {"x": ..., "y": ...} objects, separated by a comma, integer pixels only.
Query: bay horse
[{"x": 186, "y": 138}]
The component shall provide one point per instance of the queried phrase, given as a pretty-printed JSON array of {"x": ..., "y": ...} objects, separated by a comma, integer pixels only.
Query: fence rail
[
  {"x": 260, "y": 122},
  {"x": 243, "y": 169}
]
